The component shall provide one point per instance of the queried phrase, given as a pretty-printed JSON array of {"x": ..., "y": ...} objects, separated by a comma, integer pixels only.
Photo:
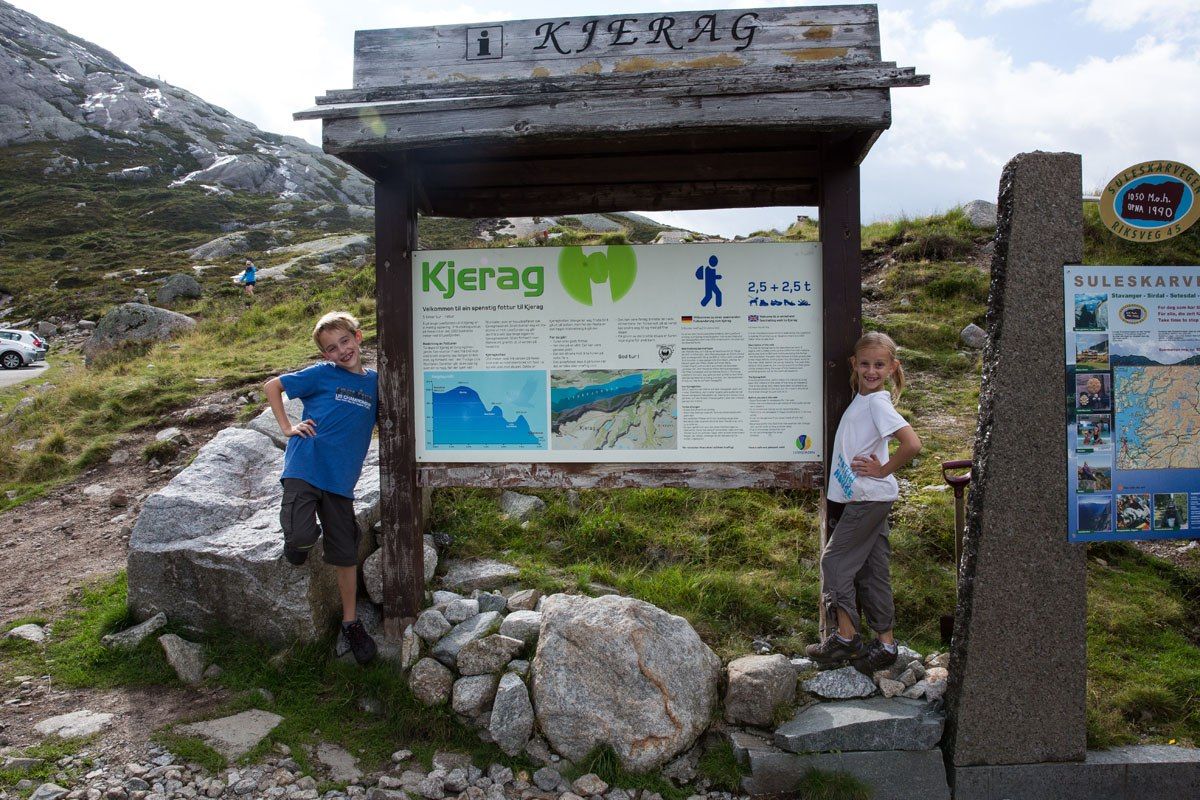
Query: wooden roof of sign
[{"x": 670, "y": 110}]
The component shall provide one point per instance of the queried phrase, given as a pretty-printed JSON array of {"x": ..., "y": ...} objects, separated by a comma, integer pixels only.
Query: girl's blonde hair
[
  {"x": 334, "y": 320},
  {"x": 877, "y": 339}
]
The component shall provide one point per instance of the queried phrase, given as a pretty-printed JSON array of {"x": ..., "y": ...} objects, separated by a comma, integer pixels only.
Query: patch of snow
[{"x": 221, "y": 161}]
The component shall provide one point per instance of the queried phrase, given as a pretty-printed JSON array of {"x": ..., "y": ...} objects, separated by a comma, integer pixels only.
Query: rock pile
[
  {"x": 159, "y": 775},
  {"x": 875, "y": 728},
  {"x": 550, "y": 677}
]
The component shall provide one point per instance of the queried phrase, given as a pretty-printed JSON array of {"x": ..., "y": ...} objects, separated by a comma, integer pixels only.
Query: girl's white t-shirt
[{"x": 865, "y": 428}]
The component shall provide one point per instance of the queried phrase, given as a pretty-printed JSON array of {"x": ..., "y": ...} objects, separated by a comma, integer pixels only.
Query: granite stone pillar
[{"x": 1018, "y": 663}]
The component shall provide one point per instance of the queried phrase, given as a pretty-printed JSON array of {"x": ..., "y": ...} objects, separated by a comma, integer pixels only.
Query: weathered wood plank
[
  {"x": 777, "y": 78},
  {"x": 598, "y": 198},
  {"x": 612, "y": 114},
  {"x": 745, "y": 165},
  {"x": 518, "y": 100},
  {"x": 780, "y": 475},
  {"x": 722, "y": 40},
  {"x": 400, "y": 496}
]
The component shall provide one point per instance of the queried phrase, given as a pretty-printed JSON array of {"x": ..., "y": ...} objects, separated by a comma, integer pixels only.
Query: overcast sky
[{"x": 1114, "y": 80}]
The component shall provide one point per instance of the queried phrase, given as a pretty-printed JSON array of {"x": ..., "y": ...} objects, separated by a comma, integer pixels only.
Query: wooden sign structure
[{"x": 652, "y": 111}]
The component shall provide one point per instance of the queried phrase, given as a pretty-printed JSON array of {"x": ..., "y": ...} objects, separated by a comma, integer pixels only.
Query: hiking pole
[{"x": 959, "y": 484}]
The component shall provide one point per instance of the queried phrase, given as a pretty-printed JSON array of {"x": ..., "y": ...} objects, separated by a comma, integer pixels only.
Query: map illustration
[
  {"x": 500, "y": 410},
  {"x": 1158, "y": 417},
  {"x": 614, "y": 409}
]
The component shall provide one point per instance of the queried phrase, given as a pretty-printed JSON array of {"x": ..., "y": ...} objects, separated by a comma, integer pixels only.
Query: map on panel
[
  {"x": 503, "y": 409},
  {"x": 596, "y": 409},
  {"x": 1158, "y": 417}
]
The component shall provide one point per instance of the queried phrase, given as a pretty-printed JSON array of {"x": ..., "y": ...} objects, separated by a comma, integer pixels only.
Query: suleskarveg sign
[
  {"x": 1133, "y": 402},
  {"x": 1151, "y": 201},
  {"x": 687, "y": 353}
]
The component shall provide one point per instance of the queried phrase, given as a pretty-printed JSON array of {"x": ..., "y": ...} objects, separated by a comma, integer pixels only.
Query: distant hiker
[
  {"x": 855, "y": 562},
  {"x": 249, "y": 277},
  {"x": 324, "y": 459}
]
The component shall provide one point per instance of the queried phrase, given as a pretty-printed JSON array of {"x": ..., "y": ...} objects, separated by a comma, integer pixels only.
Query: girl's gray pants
[{"x": 854, "y": 567}]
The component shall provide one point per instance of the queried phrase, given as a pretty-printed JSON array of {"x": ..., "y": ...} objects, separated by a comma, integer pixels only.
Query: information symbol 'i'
[{"x": 485, "y": 43}]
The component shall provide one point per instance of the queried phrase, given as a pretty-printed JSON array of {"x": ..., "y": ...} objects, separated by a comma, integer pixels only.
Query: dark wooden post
[
  {"x": 841, "y": 276},
  {"x": 400, "y": 497}
]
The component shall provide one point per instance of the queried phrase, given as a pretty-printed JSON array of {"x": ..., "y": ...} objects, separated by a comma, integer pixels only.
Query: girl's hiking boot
[
  {"x": 874, "y": 657},
  {"x": 833, "y": 650},
  {"x": 361, "y": 643}
]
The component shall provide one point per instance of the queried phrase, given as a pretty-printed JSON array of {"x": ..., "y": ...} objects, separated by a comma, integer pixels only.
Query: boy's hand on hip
[
  {"x": 303, "y": 429},
  {"x": 867, "y": 465}
]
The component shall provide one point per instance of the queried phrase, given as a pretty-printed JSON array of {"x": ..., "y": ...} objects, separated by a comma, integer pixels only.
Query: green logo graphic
[{"x": 617, "y": 267}]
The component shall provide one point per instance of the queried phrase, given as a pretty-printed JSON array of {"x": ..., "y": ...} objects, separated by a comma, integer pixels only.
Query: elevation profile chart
[{"x": 492, "y": 409}]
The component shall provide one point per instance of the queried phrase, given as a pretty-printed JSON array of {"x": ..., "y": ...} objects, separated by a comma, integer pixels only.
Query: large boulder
[
  {"x": 134, "y": 323},
  {"x": 177, "y": 286},
  {"x": 207, "y": 547},
  {"x": 231, "y": 244},
  {"x": 621, "y": 672},
  {"x": 980, "y": 213}
]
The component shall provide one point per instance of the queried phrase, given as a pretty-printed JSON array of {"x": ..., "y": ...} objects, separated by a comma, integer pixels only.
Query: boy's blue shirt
[{"x": 343, "y": 405}]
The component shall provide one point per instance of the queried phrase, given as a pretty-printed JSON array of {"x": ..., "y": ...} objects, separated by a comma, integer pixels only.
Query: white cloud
[
  {"x": 981, "y": 108},
  {"x": 997, "y": 6},
  {"x": 1167, "y": 17}
]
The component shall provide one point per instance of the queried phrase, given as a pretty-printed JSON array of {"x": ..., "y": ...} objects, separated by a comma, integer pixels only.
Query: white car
[
  {"x": 15, "y": 354},
  {"x": 26, "y": 337}
]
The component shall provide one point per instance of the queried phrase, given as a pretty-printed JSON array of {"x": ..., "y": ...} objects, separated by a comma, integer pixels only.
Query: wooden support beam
[
  {"x": 400, "y": 497},
  {"x": 764, "y": 475},
  {"x": 841, "y": 244}
]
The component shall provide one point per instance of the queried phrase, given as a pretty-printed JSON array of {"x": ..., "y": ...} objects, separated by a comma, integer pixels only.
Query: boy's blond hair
[{"x": 334, "y": 320}]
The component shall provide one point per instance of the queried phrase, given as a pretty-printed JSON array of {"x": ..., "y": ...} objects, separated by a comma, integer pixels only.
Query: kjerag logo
[
  {"x": 617, "y": 267},
  {"x": 445, "y": 277}
]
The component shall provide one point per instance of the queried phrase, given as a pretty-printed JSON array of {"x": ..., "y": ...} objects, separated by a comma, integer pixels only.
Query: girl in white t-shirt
[{"x": 855, "y": 562}]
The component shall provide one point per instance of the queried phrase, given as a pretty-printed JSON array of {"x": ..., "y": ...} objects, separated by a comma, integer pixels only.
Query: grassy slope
[{"x": 739, "y": 564}]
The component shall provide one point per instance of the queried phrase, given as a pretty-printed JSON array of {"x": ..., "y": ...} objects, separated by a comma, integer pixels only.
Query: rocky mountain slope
[{"x": 58, "y": 88}]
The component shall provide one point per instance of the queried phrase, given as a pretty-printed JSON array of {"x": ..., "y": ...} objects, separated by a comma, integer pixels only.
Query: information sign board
[
  {"x": 658, "y": 353},
  {"x": 1133, "y": 402}
]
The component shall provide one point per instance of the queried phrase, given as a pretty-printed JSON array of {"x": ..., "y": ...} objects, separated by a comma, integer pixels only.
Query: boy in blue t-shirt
[{"x": 324, "y": 458}]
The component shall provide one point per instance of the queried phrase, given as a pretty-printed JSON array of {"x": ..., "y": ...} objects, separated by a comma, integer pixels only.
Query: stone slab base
[
  {"x": 1149, "y": 772},
  {"x": 891, "y": 774}
]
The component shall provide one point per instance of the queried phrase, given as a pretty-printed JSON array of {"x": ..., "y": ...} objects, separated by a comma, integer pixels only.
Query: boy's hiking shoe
[
  {"x": 295, "y": 556},
  {"x": 874, "y": 657},
  {"x": 833, "y": 651},
  {"x": 361, "y": 643}
]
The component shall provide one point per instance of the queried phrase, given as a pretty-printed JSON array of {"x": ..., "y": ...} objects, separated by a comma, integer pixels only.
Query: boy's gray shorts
[{"x": 303, "y": 504}]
